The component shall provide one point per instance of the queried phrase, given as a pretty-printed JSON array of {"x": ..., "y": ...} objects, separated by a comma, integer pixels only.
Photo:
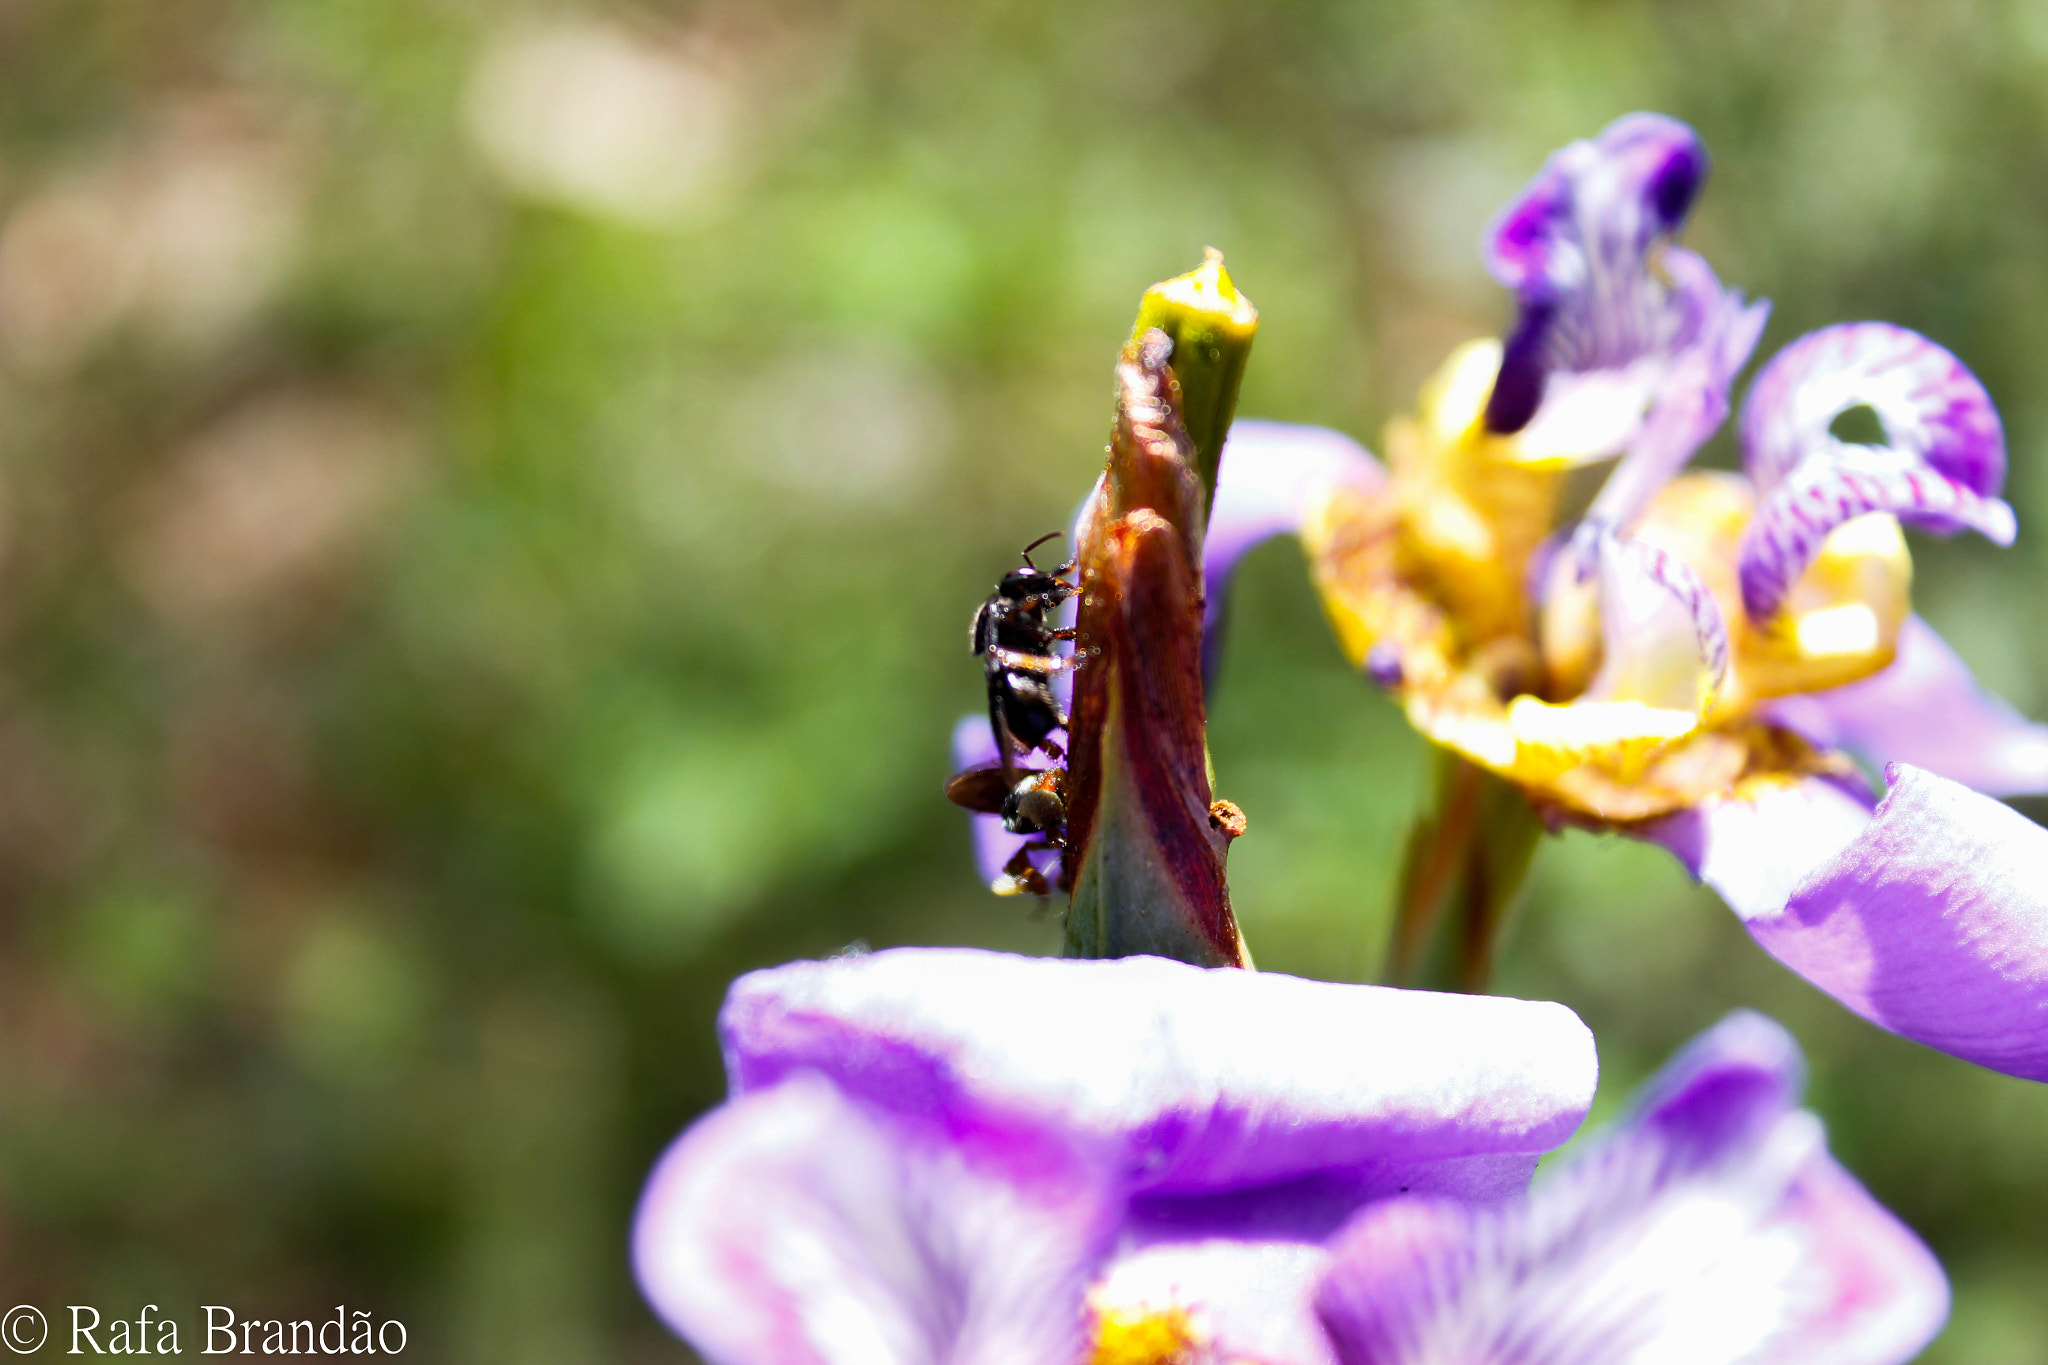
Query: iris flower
[
  {"x": 950, "y": 1155},
  {"x": 1695, "y": 658}
]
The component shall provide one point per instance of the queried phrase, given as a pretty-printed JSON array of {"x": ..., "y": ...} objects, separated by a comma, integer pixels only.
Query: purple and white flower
[
  {"x": 947, "y": 1155},
  {"x": 1696, "y": 659}
]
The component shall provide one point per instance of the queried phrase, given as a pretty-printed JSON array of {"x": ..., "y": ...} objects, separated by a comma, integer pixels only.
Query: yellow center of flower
[
  {"x": 1144, "y": 1336},
  {"x": 1434, "y": 574}
]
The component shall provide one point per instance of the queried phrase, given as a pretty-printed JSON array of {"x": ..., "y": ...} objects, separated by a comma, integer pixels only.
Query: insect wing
[
  {"x": 981, "y": 788},
  {"x": 977, "y": 629}
]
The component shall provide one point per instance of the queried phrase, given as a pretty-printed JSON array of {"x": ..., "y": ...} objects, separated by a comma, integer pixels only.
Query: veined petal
[
  {"x": 1927, "y": 710},
  {"x": 794, "y": 1226},
  {"x": 1710, "y": 1228},
  {"x": 1274, "y": 477},
  {"x": 1941, "y": 469},
  {"x": 1932, "y": 407},
  {"x": 1665, "y": 643},
  {"x": 1692, "y": 402},
  {"x": 1829, "y": 491},
  {"x": 1576, "y": 247},
  {"x": 1932, "y": 922},
  {"x": 1250, "y": 1077}
]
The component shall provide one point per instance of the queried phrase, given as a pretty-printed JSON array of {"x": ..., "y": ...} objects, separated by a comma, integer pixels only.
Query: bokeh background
[{"x": 491, "y": 496}]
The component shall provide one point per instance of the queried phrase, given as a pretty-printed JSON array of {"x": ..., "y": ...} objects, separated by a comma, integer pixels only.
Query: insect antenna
[{"x": 1049, "y": 535}]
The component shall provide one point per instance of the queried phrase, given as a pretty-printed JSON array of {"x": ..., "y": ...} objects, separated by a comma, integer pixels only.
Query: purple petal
[
  {"x": 1274, "y": 475},
  {"x": 1932, "y": 407},
  {"x": 1691, "y": 404},
  {"x": 1248, "y": 1078},
  {"x": 1575, "y": 249},
  {"x": 1932, "y": 922},
  {"x": 1710, "y": 1226},
  {"x": 1927, "y": 710},
  {"x": 1829, "y": 491},
  {"x": 994, "y": 846},
  {"x": 1941, "y": 469},
  {"x": 796, "y": 1226},
  {"x": 1757, "y": 845}
]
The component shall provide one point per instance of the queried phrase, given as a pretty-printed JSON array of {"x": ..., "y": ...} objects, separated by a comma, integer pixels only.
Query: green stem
[{"x": 1468, "y": 859}]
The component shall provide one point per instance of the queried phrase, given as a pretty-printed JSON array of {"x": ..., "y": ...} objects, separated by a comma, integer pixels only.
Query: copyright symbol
[{"x": 23, "y": 1328}]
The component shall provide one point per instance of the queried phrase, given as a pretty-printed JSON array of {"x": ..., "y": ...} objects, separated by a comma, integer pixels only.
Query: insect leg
[
  {"x": 1019, "y": 876},
  {"x": 1016, "y": 661}
]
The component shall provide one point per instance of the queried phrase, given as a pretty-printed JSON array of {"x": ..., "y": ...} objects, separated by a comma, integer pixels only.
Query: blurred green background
[{"x": 491, "y": 497}]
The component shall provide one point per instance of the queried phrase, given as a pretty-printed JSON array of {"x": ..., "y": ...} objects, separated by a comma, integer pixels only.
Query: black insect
[
  {"x": 1034, "y": 804},
  {"x": 1014, "y": 639}
]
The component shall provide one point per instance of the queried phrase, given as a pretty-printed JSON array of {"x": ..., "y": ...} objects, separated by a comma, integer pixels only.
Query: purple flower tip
[{"x": 1575, "y": 250}]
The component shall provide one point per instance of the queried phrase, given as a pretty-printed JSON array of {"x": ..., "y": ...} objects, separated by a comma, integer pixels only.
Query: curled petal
[
  {"x": 796, "y": 1226},
  {"x": 1576, "y": 250},
  {"x": 1274, "y": 477},
  {"x": 1249, "y": 1077},
  {"x": 1941, "y": 469},
  {"x": 1927, "y": 710},
  {"x": 1827, "y": 492},
  {"x": 1932, "y": 407},
  {"x": 1711, "y": 1226}
]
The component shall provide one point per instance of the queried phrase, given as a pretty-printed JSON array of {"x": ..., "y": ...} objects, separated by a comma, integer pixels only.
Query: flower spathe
[
  {"x": 951, "y": 1155},
  {"x": 1700, "y": 647}
]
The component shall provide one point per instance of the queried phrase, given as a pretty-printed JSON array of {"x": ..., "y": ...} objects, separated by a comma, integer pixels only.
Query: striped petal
[
  {"x": 1576, "y": 248},
  {"x": 1666, "y": 644},
  {"x": 1931, "y": 406},
  {"x": 1826, "y": 493},
  {"x": 1710, "y": 1227},
  {"x": 797, "y": 1227},
  {"x": 1941, "y": 469}
]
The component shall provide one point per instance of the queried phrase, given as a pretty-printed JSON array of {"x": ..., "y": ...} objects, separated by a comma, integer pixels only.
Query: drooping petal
[
  {"x": 1248, "y": 1078},
  {"x": 1756, "y": 844},
  {"x": 1576, "y": 248},
  {"x": 1710, "y": 1227},
  {"x": 1927, "y": 710},
  {"x": 1932, "y": 922},
  {"x": 1941, "y": 469},
  {"x": 1274, "y": 476},
  {"x": 794, "y": 1226}
]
